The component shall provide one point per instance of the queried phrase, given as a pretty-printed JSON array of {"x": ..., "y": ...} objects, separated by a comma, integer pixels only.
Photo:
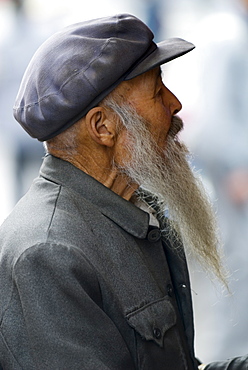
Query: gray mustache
[{"x": 176, "y": 126}]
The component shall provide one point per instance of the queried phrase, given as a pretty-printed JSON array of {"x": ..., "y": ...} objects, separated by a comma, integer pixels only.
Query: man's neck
[{"x": 104, "y": 172}]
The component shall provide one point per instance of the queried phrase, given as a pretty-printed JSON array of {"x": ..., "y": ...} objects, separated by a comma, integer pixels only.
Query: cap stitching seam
[{"x": 66, "y": 82}]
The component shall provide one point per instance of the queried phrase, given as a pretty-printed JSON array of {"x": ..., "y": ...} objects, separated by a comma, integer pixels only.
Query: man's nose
[{"x": 175, "y": 105}]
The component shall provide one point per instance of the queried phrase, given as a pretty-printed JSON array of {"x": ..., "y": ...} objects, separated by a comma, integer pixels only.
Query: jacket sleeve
[
  {"x": 62, "y": 310},
  {"x": 237, "y": 363}
]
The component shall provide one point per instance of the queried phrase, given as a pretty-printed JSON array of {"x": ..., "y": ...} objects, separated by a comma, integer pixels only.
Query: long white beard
[{"x": 178, "y": 191}]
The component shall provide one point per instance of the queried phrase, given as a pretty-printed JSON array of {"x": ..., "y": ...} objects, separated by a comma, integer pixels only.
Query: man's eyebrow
[{"x": 159, "y": 74}]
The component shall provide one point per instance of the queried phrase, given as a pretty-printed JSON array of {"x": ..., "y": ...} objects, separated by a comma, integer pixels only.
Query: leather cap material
[{"x": 80, "y": 65}]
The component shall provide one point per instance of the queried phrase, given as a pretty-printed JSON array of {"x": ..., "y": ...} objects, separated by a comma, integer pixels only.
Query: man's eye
[{"x": 158, "y": 93}]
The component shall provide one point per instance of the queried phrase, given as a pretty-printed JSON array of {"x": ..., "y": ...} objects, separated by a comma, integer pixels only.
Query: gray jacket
[{"x": 86, "y": 283}]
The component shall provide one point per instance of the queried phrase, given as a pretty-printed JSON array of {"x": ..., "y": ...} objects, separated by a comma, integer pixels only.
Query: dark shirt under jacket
[{"x": 87, "y": 283}]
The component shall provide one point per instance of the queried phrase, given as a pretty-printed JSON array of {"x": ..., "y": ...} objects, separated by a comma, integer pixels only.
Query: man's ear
[{"x": 101, "y": 126}]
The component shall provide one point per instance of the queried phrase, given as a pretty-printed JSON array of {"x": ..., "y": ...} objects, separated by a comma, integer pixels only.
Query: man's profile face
[
  {"x": 154, "y": 102},
  {"x": 150, "y": 155}
]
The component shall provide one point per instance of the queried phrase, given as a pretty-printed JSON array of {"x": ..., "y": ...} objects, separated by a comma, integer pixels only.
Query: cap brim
[{"x": 166, "y": 51}]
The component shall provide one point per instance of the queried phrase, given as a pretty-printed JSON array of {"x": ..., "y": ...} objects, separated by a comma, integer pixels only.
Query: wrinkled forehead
[{"x": 146, "y": 81}]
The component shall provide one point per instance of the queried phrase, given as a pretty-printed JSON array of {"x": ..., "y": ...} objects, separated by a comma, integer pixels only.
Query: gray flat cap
[{"x": 77, "y": 67}]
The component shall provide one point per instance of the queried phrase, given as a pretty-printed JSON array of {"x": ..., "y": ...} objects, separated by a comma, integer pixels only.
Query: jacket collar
[{"x": 129, "y": 217}]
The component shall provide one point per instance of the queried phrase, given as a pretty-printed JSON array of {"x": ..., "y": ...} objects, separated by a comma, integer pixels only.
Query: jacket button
[
  {"x": 157, "y": 333},
  {"x": 154, "y": 235},
  {"x": 170, "y": 290}
]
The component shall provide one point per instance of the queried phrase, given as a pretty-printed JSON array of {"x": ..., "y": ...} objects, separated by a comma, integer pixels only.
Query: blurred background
[{"x": 212, "y": 84}]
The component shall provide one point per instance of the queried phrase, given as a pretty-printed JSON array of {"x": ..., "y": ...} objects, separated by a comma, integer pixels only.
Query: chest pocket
[{"x": 153, "y": 320}]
